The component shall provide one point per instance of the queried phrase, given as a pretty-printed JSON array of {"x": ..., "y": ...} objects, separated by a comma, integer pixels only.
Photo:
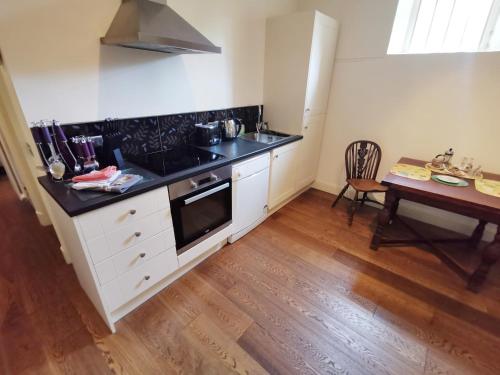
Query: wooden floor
[{"x": 300, "y": 294}]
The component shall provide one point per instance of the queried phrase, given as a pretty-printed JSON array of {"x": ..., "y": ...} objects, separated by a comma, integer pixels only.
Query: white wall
[
  {"x": 412, "y": 105},
  {"x": 59, "y": 69}
]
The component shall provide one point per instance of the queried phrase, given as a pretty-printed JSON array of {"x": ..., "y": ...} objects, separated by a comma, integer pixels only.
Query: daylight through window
[{"x": 444, "y": 26}]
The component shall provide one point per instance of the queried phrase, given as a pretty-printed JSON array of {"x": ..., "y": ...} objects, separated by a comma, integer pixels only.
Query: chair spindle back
[{"x": 362, "y": 159}]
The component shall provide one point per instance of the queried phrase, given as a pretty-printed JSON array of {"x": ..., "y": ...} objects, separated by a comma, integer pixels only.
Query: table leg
[
  {"x": 394, "y": 210},
  {"x": 383, "y": 218},
  {"x": 490, "y": 256},
  {"x": 477, "y": 235}
]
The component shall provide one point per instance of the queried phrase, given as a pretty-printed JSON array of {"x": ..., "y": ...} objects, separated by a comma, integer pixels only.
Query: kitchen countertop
[{"x": 75, "y": 202}]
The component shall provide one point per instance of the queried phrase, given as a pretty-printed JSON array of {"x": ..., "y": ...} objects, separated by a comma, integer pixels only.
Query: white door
[
  {"x": 283, "y": 166},
  {"x": 250, "y": 200},
  {"x": 309, "y": 151},
  {"x": 320, "y": 65}
]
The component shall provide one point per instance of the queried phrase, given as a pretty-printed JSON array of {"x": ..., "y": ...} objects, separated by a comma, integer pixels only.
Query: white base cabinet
[
  {"x": 283, "y": 173},
  {"x": 129, "y": 285},
  {"x": 124, "y": 253},
  {"x": 309, "y": 151},
  {"x": 250, "y": 194}
]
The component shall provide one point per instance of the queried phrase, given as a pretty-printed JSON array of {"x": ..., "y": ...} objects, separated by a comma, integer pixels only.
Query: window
[{"x": 444, "y": 26}]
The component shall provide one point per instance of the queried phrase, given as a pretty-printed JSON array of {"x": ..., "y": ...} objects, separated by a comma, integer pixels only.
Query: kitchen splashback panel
[
  {"x": 177, "y": 129},
  {"x": 140, "y": 136},
  {"x": 148, "y": 134}
]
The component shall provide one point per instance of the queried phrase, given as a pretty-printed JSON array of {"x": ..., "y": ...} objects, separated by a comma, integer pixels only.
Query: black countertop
[{"x": 75, "y": 202}]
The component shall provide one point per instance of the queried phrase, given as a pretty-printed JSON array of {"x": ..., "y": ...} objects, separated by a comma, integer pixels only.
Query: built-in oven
[{"x": 200, "y": 206}]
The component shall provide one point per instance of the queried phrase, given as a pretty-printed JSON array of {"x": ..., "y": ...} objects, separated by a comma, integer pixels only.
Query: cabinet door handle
[
  {"x": 137, "y": 234},
  {"x": 276, "y": 156},
  {"x": 306, "y": 127},
  {"x": 147, "y": 277},
  {"x": 308, "y": 109},
  {"x": 142, "y": 255},
  {"x": 132, "y": 212}
]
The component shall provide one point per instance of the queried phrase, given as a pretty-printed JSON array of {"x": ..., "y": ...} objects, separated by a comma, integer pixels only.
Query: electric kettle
[{"x": 231, "y": 128}]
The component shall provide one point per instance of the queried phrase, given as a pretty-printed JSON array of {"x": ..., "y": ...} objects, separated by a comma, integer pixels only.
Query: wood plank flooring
[{"x": 301, "y": 294}]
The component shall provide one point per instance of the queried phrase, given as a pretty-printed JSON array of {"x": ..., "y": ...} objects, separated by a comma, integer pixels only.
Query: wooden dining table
[{"x": 465, "y": 201}]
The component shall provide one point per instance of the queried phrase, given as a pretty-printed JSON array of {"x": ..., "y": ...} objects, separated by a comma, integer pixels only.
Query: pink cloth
[{"x": 101, "y": 175}]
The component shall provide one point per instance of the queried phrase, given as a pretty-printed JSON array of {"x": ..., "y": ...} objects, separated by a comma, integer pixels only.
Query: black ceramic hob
[{"x": 175, "y": 159}]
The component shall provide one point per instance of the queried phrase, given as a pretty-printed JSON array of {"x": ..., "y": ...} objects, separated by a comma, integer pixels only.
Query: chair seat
[{"x": 366, "y": 185}]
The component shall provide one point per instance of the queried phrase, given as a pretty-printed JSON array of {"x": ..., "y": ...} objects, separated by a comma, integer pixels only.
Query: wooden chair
[{"x": 362, "y": 159}]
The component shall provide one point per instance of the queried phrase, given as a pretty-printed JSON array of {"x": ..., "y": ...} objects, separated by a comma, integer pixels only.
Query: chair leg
[
  {"x": 341, "y": 194},
  {"x": 354, "y": 205},
  {"x": 365, "y": 196}
]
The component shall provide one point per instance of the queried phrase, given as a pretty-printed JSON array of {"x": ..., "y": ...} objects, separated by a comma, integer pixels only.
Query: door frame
[
  {"x": 8, "y": 166},
  {"x": 19, "y": 146}
]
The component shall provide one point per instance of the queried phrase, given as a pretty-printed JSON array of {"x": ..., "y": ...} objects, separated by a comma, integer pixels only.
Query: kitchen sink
[{"x": 267, "y": 136}]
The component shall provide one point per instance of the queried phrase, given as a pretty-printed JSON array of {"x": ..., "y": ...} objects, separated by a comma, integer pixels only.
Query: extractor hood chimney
[{"x": 149, "y": 25}]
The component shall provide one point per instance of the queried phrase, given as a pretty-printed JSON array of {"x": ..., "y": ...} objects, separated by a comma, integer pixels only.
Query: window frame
[{"x": 405, "y": 48}]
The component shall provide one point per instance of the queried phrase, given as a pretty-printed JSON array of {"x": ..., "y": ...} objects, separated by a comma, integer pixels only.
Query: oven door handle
[{"x": 206, "y": 193}]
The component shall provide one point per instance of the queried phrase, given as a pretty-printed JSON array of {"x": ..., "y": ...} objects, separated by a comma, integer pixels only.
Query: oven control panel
[{"x": 199, "y": 181}]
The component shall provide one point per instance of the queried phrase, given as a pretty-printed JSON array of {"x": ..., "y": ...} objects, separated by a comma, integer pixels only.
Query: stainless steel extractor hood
[{"x": 145, "y": 24}]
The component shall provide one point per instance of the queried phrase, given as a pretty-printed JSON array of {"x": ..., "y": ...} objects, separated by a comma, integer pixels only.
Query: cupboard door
[
  {"x": 283, "y": 166},
  {"x": 248, "y": 211},
  {"x": 309, "y": 152},
  {"x": 320, "y": 65}
]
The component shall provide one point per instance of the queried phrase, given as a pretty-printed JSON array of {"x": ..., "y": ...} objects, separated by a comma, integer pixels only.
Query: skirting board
[
  {"x": 426, "y": 214},
  {"x": 288, "y": 200}
]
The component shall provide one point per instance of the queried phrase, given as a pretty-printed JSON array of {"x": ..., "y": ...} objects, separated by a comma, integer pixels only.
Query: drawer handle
[
  {"x": 147, "y": 277},
  {"x": 137, "y": 234},
  {"x": 132, "y": 212},
  {"x": 142, "y": 255}
]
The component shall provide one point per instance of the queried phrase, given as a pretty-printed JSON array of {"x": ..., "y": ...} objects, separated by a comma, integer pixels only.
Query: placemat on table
[
  {"x": 411, "y": 171},
  {"x": 490, "y": 187}
]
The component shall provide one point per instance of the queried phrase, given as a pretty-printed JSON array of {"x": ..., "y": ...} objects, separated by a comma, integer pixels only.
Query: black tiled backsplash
[
  {"x": 140, "y": 136},
  {"x": 148, "y": 134},
  {"x": 177, "y": 129},
  {"x": 210, "y": 116}
]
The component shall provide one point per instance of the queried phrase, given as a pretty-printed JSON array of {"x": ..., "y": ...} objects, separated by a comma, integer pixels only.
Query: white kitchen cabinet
[
  {"x": 122, "y": 253},
  {"x": 299, "y": 57},
  {"x": 132, "y": 283},
  {"x": 250, "y": 194},
  {"x": 282, "y": 173},
  {"x": 319, "y": 75},
  {"x": 309, "y": 151}
]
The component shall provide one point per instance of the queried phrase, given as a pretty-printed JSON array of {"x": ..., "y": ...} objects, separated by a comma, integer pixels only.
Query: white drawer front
[
  {"x": 135, "y": 256},
  {"x": 103, "y": 247},
  {"x": 112, "y": 217},
  {"x": 140, "y": 254},
  {"x": 250, "y": 167},
  {"x": 98, "y": 249},
  {"x": 133, "y": 283},
  {"x": 135, "y": 233},
  {"x": 105, "y": 271}
]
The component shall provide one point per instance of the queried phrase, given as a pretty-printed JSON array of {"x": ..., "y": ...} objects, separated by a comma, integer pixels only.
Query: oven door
[{"x": 199, "y": 214}]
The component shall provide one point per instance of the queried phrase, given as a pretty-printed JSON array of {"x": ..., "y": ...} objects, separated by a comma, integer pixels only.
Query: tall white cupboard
[{"x": 299, "y": 57}]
